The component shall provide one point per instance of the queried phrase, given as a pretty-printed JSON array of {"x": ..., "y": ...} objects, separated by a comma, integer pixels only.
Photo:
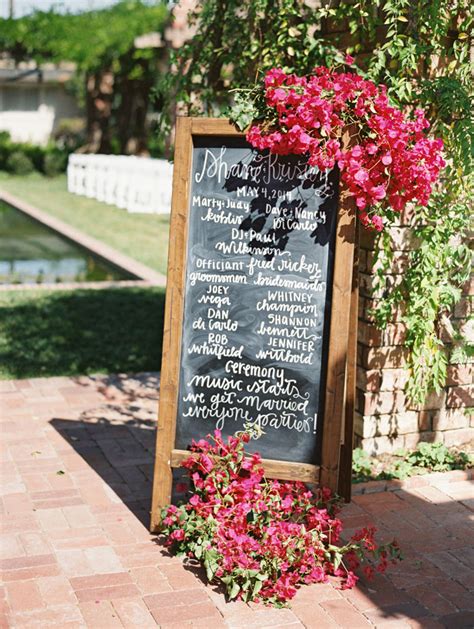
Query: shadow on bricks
[
  {"x": 434, "y": 584},
  {"x": 117, "y": 439},
  {"x": 432, "y": 587}
]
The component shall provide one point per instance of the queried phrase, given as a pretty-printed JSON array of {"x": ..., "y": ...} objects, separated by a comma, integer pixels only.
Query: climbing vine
[
  {"x": 425, "y": 60},
  {"x": 420, "y": 49}
]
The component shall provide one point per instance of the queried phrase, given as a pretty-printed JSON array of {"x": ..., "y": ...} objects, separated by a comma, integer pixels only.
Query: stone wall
[{"x": 385, "y": 420}]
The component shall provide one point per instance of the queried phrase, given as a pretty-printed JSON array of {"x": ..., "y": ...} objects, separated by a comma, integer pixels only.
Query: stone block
[
  {"x": 370, "y": 285},
  {"x": 399, "y": 262},
  {"x": 368, "y": 379},
  {"x": 458, "y": 437},
  {"x": 460, "y": 374},
  {"x": 425, "y": 420},
  {"x": 382, "y": 445},
  {"x": 367, "y": 239},
  {"x": 368, "y": 282},
  {"x": 407, "y": 422},
  {"x": 460, "y": 397},
  {"x": 407, "y": 215},
  {"x": 468, "y": 287},
  {"x": 411, "y": 440},
  {"x": 467, "y": 330},
  {"x": 384, "y": 357},
  {"x": 433, "y": 401},
  {"x": 363, "y": 261},
  {"x": 450, "y": 420},
  {"x": 358, "y": 425},
  {"x": 388, "y": 425},
  {"x": 394, "y": 425},
  {"x": 370, "y": 335},
  {"x": 393, "y": 379},
  {"x": 464, "y": 308},
  {"x": 395, "y": 334},
  {"x": 383, "y": 402},
  {"x": 362, "y": 310},
  {"x": 403, "y": 239},
  {"x": 368, "y": 427}
]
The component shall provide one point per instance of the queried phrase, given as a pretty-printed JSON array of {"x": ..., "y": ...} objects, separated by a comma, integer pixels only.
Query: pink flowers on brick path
[
  {"x": 389, "y": 161},
  {"x": 262, "y": 539}
]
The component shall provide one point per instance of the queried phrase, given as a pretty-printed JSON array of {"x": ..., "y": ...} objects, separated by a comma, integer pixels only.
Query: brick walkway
[{"x": 75, "y": 550}]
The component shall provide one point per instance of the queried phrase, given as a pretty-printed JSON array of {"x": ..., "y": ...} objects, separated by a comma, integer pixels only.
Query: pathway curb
[{"x": 141, "y": 271}]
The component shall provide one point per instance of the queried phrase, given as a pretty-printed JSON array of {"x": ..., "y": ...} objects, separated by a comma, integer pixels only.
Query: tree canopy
[
  {"x": 116, "y": 77},
  {"x": 89, "y": 39}
]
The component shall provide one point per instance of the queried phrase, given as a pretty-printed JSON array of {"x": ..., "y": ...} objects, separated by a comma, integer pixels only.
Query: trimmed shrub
[
  {"x": 18, "y": 163},
  {"x": 35, "y": 153},
  {"x": 49, "y": 160},
  {"x": 54, "y": 163}
]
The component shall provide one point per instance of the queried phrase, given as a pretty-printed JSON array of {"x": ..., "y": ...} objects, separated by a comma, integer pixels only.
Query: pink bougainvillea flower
[
  {"x": 262, "y": 538},
  {"x": 389, "y": 161},
  {"x": 377, "y": 223}
]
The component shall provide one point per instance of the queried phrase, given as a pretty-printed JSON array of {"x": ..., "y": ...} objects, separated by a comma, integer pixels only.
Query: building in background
[{"x": 34, "y": 100}]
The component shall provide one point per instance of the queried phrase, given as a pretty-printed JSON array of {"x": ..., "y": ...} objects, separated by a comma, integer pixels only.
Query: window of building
[{"x": 19, "y": 98}]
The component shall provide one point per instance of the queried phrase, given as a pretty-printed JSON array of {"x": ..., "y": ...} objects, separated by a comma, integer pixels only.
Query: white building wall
[{"x": 31, "y": 113}]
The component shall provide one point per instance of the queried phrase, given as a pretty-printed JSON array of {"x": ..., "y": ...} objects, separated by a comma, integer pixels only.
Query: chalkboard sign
[{"x": 260, "y": 265}]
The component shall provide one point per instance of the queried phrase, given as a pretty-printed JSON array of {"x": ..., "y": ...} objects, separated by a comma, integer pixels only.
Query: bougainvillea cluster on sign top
[
  {"x": 263, "y": 539},
  {"x": 385, "y": 156}
]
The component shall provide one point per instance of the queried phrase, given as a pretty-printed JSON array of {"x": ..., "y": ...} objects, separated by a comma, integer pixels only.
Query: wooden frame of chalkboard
[{"x": 334, "y": 470}]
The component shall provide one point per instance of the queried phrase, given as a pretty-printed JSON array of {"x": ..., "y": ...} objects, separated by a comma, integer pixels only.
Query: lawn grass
[
  {"x": 49, "y": 333},
  {"x": 143, "y": 237}
]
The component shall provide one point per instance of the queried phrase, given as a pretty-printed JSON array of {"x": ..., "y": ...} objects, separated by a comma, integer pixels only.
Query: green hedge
[{"x": 49, "y": 160}]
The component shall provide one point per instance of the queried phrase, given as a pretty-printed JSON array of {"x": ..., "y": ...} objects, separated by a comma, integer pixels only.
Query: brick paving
[{"x": 76, "y": 468}]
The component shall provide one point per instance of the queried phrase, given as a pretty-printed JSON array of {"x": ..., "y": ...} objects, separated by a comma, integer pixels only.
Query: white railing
[{"x": 137, "y": 184}]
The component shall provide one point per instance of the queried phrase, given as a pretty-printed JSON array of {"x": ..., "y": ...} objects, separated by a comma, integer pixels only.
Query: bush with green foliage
[
  {"x": 54, "y": 163},
  {"x": 18, "y": 163},
  {"x": 427, "y": 457},
  {"x": 69, "y": 133},
  {"x": 361, "y": 465},
  {"x": 438, "y": 458},
  {"x": 21, "y": 158}
]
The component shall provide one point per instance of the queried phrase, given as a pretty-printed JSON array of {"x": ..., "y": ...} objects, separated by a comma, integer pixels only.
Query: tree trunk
[
  {"x": 133, "y": 107},
  {"x": 99, "y": 96}
]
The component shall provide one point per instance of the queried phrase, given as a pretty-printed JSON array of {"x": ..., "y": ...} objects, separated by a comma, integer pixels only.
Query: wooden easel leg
[{"x": 345, "y": 471}]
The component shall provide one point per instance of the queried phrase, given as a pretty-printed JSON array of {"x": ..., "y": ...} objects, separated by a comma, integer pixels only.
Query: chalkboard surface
[{"x": 260, "y": 252}]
